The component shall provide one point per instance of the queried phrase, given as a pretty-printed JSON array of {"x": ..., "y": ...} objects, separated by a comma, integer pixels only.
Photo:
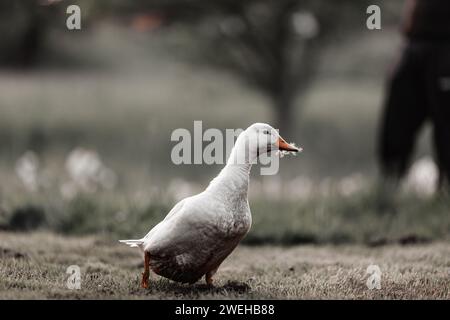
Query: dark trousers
[{"x": 418, "y": 90}]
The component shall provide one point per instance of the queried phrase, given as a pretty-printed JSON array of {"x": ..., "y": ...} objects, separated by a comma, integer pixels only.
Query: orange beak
[{"x": 284, "y": 146}]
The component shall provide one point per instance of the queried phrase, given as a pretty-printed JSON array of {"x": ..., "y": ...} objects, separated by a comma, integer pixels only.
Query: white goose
[{"x": 202, "y": 230}]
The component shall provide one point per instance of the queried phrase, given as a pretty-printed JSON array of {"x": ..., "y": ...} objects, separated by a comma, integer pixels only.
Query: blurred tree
[
  {"x": 22, "y": 31},
  {"x": 24, "y": 25},
  {"x": 274, "y": 45}
]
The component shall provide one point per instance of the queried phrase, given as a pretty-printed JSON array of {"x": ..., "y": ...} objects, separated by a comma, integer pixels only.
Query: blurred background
[{"x": 86, "y": 116}]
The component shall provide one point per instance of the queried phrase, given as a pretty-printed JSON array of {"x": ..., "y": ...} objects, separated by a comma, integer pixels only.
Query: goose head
[{"x": 263, "y": 138}]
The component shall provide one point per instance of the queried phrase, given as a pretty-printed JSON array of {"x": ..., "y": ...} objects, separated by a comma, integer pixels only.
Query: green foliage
[
  {"x": 355, "y": 219},
  {"x": 332, "y": 219},
  {"x": 27, "y": 218}
]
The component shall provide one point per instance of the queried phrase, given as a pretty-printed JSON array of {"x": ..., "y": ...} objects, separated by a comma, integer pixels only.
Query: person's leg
[
  {"x": 404, "y": 113},
  {"x": 439, "y": 86}
]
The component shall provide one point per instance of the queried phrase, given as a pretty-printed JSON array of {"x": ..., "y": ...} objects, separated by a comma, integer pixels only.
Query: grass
[
  {"x": 33, "y": 266},
  {"x": 324, "y": 219}
]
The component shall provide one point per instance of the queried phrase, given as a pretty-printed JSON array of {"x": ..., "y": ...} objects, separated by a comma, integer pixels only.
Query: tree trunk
[{"x": 283, "y": 105}]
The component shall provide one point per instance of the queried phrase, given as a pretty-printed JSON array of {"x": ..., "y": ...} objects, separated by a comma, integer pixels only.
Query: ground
[{"x": 33, "y": 265}]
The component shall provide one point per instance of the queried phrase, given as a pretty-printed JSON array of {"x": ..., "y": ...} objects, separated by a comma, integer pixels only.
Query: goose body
[{"x": 201, "y": 231}]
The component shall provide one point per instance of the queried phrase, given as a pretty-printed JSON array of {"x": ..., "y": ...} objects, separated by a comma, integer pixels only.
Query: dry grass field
[{"x": 33, "y": 266}]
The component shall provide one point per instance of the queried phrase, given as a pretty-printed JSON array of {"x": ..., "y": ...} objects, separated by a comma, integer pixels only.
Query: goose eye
[{"x": 266, "y": 131}]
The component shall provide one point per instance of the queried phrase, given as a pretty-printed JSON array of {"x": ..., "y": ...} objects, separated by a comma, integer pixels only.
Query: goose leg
[
  {"x": 146, "y": 274},
  {"x": 208, "y": 277}
]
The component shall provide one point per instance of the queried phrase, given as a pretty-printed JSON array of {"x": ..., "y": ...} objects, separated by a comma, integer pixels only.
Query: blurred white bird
[{"x": 202, "y": 230}]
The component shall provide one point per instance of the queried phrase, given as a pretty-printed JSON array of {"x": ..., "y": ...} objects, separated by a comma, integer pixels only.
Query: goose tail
[{"x": 133, "y": 243}]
